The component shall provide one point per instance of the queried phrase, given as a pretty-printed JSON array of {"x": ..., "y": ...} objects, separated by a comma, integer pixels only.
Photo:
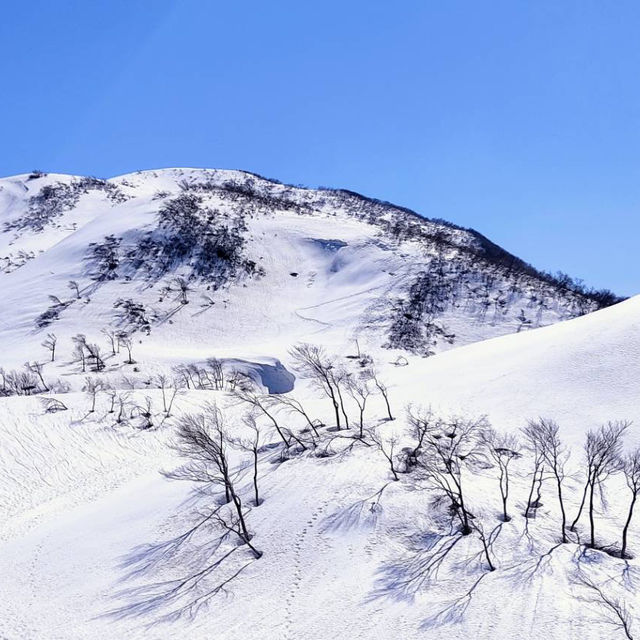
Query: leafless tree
[
  {"x": 112, "y": 394},
  {"x": 262, "y": 405},
  {"x": 91, "y": 387},
  {"x": 183, "y": 290},
  {"x": 555, "y": 457},
  {"x": 359, "y": 389},
  {"x": 50, "y": 344},
  {"x": 533, "y": 446},
  {"x": 294, "y": 406},
  {"x": 75, "y": 287},
  {"x": 421, "y": 422},
  {"x": 454, "y": 447},
  {"x": 183, "y": 373},
  {"x": 112, "y": 337},
  {"x": 203, "y": 441},
  {"x": 95, "y": 356},
  {"x": 216, "y": 369},
  {"x": 487, "y": 541},
  {"x": 144, "y": 412},
  {"x": 312, "y": 363},
  {"x": 632, "y": 476},
  {"x": 252, "y": 445},
  {"x": 36, "y": 368},
  {"x": 124, "y": 340},
  {"x": 79, "y": 347},
  {"x": 340, "y": 378},
  {"x": 170, "y": 388},
  {"x": 603, "y": 455},
  {"x": 502, "y": 449},
  {"x": 384, "y": 392},
  {"x": 387, "y": 446},
  {"x": 123, "y": 405},
  {"x": 20, "y": 383}
]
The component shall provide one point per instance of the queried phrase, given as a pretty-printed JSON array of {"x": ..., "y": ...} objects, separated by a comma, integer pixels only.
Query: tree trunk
[
  {"x": 623, "y": 551},
  {"x": 584, "y": 498},
  {"x": 562, "y": 511},
  {"x": 531, "y": 490},
  {"x": 255, "y": 476},
  {"x": 591, "y": 519}
]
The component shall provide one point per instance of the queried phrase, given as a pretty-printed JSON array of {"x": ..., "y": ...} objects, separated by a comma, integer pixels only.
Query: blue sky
[{"x": 520, "y": 119}]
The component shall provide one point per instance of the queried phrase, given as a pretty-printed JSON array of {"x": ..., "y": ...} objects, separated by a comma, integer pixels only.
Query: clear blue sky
[{"x": 518, "y": 118}]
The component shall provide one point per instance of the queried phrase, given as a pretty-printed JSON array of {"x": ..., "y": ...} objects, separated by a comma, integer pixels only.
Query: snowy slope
[
  {"x": 338, "y": 265},
  {"x": 83, "y": 502},
  {"x": 583, "y": 373}
]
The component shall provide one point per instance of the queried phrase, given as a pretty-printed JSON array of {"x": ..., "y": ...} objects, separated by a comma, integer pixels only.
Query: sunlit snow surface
[{"x": 82, "y": 500}]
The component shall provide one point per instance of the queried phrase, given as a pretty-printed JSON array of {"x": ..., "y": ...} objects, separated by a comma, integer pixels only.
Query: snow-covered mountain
[
  {"x": 259, "y": 259},
  {"x": 199, "y": 283}
]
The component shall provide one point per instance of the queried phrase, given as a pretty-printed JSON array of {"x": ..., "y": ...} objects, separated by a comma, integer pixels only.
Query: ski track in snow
[{"x": 302, "y": 547}]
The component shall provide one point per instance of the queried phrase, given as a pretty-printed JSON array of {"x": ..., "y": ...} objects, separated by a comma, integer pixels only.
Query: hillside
[
  {"x": 233, "y": 239},
  {"x": 193, "y": 287}
]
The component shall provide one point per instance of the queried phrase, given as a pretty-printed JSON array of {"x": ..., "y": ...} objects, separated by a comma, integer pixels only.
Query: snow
[{"x": 80, "y": 495}]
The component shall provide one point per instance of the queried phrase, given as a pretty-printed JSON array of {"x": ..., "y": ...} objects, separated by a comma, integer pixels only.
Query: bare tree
[
  {"x": 170, "y": 388},
  {"x": 532, "y": 444},
  {"x": 384, "y": 392},
  {"x": 203, "y": 441},
  {"x": 262, "y": 405},
  {"x": 112, "y": 394},
  {"x": 294, "y": 406},
  {"x": 603, "y": 455},
  {"x": 75, "y": 287},
  {"x": 124, "y": 339},
  {"x": 92, "y": 386},
  {"x": 360, "y": 390},
  {"x": 216, "y": 368},
  {"x": 422, "y": 422},
  {"x": 79, "y": 347},
  {"x": 555, "y": 457},
  {"x": 183, "y": 290},
  {"x": 112, "y": 337},
  {"x": 448, "y": 451},
  {"x": 144, "y": 412},
  {"x": 340, "y": 377},
  {"x": 50, "y": 344},
  {"x": 632, "y": 476},
  {"x": 252, "y": 445},
  {"x": 123, "y": 405},
  {"x": 486, "y": 540},
  {"x": 387, "y": 447},
  {"x": 36, "y": 368},
  {"x": 312, "y": 363},
  {"x": 95, "y": 355},
  {"x": 503, "y": 449}
]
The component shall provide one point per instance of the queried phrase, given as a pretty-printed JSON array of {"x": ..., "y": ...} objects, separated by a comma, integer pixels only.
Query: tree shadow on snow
[{"x": 177, "y": 577}]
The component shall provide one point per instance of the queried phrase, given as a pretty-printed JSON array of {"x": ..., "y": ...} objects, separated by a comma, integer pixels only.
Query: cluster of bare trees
[
  {"x": 92, "y": 356},
  {"x": 205, "y": 439},
  {"x": 24, "y": 382},
  {"x": 127, "y": 407},
  {"x": 210, "y": 377},
  {"x": 333, "y": 381},
  {"x": 447, "y": 450}
]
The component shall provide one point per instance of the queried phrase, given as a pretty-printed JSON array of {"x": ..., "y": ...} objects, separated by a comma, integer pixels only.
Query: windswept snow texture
[{"x": 214, "y": 276}]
